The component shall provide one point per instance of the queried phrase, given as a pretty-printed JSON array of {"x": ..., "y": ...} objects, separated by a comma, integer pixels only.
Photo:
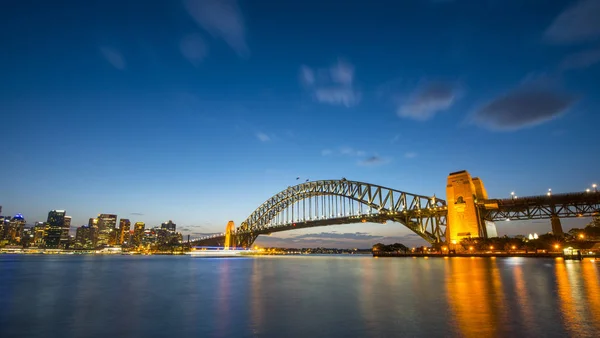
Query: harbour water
[{"x": 304, "y": 296}]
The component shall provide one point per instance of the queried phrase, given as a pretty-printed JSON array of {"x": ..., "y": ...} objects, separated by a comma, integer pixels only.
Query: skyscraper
[
  {"x": 14, "y": 229},
  {"x": 56, "y": 222},
  {"x": 107, "y": 234},
  {"x": 64, "y": 235},
  {"x": 138, "y": 233},
  {"x": 124, "y": 227},
  {"x": 168, "y": 226},
  {"x": 93, "y": 225},
  {"x": 39, "y": 233}
]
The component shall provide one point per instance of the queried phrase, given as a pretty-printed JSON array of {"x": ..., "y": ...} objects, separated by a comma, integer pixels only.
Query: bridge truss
[
  {"x": 331, "y": 202},
  {"x": 583, "y": 204}
]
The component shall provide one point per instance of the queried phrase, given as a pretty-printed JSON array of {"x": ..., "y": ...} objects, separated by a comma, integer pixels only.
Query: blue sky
[{"x": 198, "y": 111}]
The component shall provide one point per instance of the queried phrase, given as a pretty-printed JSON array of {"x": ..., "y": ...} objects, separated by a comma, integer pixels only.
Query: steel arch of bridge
[{"x": 336, "y": 202}]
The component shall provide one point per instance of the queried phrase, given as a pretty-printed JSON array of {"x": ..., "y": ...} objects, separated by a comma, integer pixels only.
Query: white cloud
[
  {"x": 263, "y": 137},
  {"x": 193, "y": 48},
  {"x": 222, "y": 19},
  {"x": 114, "y": 57},
  {"x": 326, "y": 152},
  {"x": 334, "y": 85},
  {"x": 581, "y": 60},
  {"x": 428, "y": 100},
  {"x": 337, "y": 96},
  {"x": 410, "y": 154},
  {"x": 307, "y": 75},
  {"x": 578, "y": 23}
]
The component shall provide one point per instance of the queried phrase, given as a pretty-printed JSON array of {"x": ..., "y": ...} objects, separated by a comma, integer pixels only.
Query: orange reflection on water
[
  {"x": 572, "y": 299},
  {"x": 523, "y": 298},
  {"x": 591, "y": 281},
  {"x": 475, "y": 297}
]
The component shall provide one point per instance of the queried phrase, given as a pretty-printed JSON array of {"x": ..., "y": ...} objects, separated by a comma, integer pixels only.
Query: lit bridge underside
[
  {"x": 542, "y": 207},
  {"x": 333, "y": 202}
]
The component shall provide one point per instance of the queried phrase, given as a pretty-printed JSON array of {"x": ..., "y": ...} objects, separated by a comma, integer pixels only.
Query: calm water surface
[{"x": 308, "y": 296}]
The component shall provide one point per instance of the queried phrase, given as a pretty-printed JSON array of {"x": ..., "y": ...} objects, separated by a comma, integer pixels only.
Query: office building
[
  {"x": 39, "y": 234},
  {"x": 124, "y": 228},
  {"x": 107, "y": 234},
  {"x": 138, "y": 233},
  {"x": 170, "y": 226},
  {"x": 56, "y": 222}
]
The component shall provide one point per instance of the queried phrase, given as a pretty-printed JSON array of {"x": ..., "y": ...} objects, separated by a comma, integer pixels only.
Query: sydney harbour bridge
[{"x": 466, "y": 212}]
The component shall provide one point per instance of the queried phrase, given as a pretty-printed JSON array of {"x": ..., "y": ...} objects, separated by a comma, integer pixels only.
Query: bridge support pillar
[
  {"x": 556, "y": 225},
  {"x": 464, "y": 220},
  {"x": 229, "y": 240}
]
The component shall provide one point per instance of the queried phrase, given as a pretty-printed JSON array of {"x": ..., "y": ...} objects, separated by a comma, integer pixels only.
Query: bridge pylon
[
  {"x": 464, "y": 218},
  {"x": 229, "y": 238}
]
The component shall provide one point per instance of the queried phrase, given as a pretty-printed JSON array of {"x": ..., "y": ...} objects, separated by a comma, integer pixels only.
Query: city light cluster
[{"x": 100, "y": 232}]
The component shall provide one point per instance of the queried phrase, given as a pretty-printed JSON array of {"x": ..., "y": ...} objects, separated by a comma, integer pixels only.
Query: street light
[
  {"x": 587, "y": 190},
  {"x": 512, "y": 195},
  {"x": 549, "y": 192},
  {"x": 595, "y": 186}
]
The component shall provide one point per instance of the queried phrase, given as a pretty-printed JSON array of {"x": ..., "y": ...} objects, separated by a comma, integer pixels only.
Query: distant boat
[{"x": 218, "y": 252}]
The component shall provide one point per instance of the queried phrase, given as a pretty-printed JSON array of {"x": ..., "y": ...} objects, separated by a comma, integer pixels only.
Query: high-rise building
[
  {"x": 13, "y": 229},
  {"x": 64, "y": 234},
  {"x": 56, "y": 222},
  {"x": 107, "y": 234},
  {"x": 93, "y": 224},
  {"x": 3, "y": 227},
  {"x": 84, "y": 237},
  {"x": 168, "y": 226},
  {"x": 39, "y": 233},
  {"x": 138, "y": 233},
  {"x": 124, "y": 227}
]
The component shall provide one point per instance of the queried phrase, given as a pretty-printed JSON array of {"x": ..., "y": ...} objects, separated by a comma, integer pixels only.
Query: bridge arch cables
[{"x": 329, "y": 202}]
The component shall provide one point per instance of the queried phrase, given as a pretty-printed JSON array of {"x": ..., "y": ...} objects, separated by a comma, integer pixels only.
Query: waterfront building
[
  {"x": 138, "y": 233},
  {"x": 64, "y": 235},
  {"x": 107, "y": 234},
  {"x": 39, "y": 234},
  {"x": 56, "y": 222},
  {"x": 13, "y": 229},
  {"x": 170, "y": 226},
  {"x": 93, "y": 224},
  {"x": 124, "y": 228},
  {"x": 27, "y": 237},
  {"x": 84, "y": 238}
]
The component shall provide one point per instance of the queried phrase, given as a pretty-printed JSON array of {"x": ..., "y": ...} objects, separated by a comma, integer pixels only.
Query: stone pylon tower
[
  {"x": 229, "y": 240},
  {"x": 462, "y": 194}
]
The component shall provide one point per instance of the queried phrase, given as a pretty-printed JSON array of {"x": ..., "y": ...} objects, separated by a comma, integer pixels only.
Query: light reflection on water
[{"x": 87, "y": 296}]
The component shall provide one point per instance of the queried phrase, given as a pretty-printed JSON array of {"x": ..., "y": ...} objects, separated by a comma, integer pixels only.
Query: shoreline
[{"x": 485, "y": 255}]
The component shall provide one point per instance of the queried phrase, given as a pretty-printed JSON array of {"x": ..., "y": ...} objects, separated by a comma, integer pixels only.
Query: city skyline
[{"x": 160, "y": 113}]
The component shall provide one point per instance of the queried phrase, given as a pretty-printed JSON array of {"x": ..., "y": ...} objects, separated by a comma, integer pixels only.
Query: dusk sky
[{"x": 199, "y": 111}]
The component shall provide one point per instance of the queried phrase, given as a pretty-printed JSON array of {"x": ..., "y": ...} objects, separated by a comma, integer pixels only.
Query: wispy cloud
[
  {"x": 578, "y": 23},
  {"x": 427, "y": 100},
  {"x": 193, "y": 48},
  {"x": 114, "y": 57},
  {"x": 523, "y": 107},
  {"x": 326, "y": 152},
  {"x": 334, "y": 85},
  {"x": 222, "y": 19},
  {"x": 581, "y": 60},
  {"x": 136, "y": 214},
  {"x": 410, "y": 154},
  {"x": 349, "y": 151},
  {"x": 263, "y": 137}
]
